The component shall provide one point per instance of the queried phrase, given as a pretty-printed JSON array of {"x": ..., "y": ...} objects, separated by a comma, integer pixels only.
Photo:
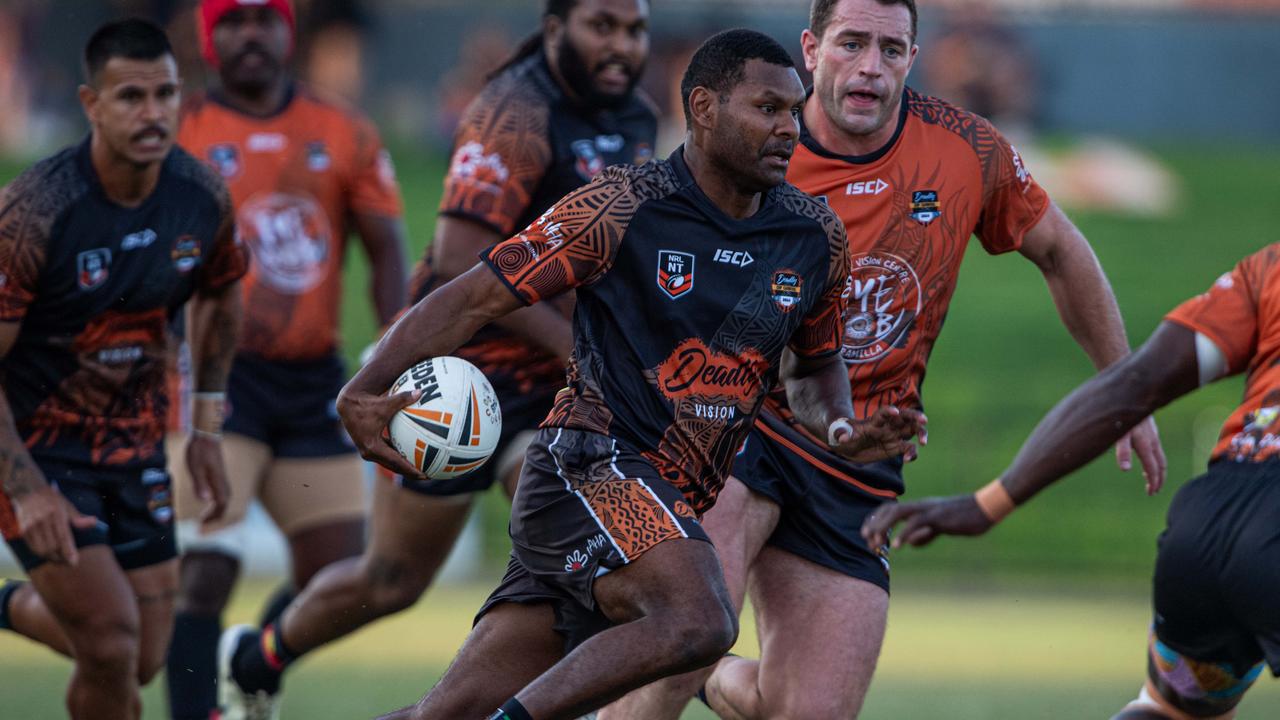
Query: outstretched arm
[
  {"x": 818, "y": 394},
  {"x": 1088, "y": 309},
  {"x": 1076, "y": 430},
  {"x": 437, "y": 325}
]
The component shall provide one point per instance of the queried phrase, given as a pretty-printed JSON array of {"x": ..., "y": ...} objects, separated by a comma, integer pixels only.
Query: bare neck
[
  {"x": 125, "y": 183},
  {"x": 716, "y": 184},
  {"x": 836, "y": 140}
]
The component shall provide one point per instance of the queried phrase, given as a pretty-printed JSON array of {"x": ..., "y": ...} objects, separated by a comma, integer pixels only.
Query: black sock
[
  {"x": 6, "y": 594},
  {"x": 274, "y": 608},
  {"x": 511, "y": 710},
  {"x": 260, "y": 660},
  {"x": 192, "y": 666}
]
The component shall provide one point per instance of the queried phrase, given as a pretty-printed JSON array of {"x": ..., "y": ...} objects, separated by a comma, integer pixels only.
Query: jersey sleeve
[
  {"x": 1012, "y": 201},
  {"x": 23, "y": 240},
  {"x": 501, "y": 152},
  {"x": 228, "y": 258},
  {"x": 821, "y": 333},
  {"x": 372, "y": 187},
  {"x": 574, "y": 243},
  {"x": 1228, "y": 313}
]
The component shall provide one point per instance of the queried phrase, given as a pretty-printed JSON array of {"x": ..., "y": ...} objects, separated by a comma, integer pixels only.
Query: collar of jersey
[
  {"x": 811, "y": 142},
  {"x": 676, "y": 159}
]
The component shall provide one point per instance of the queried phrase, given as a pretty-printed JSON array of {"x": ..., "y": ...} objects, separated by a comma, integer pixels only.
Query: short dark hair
[
  {"x": 718, "y": 63},
  {"x": 532, "y": 44},
  {"x": 821, "y": 10},
  {"x": 134, "y": 38}
]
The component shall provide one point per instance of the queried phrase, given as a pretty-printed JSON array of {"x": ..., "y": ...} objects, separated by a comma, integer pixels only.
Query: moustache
[
  {"x": 157, "y": 129},
  {"x": 251, "y": 49},
  {"x": 784, "y": 149},
  {"x": 626, "y": 66}
]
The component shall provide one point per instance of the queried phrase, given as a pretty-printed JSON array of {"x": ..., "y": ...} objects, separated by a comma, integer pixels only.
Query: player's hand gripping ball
[{"x": 454, "y": 426}]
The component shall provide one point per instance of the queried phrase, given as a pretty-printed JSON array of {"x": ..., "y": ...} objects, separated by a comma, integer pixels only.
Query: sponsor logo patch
[
  {"x": 225, "y": 158},
  {"x": 675, "y": 273},
  {"x": 924, "y": 206},
  {"x": 318, "y": 159},
  {"x": 786, "y": 289},
  {"x": 141, "y": 239},
  {"x": 741, "y": 258},
  {"x": 589, "y": 163},
  {"x": 92, "y": 268},
  {"x": 186, "y": 253},
  {"x": 866, "y": 187}
]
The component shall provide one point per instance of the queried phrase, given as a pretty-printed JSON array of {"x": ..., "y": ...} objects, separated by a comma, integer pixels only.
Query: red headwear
[{"x": 211, "y": 11}]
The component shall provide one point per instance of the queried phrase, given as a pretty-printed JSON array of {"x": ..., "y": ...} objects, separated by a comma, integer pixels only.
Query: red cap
[{"x": 211, "y": 11}]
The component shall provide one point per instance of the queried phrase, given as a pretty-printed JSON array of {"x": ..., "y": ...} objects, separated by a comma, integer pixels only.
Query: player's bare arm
[
  {"x": 1089, "y": 311},
  {"x": 436, "y": 325},
  {"x": 1076, "y": 430},
  {"x": 44, "y": 515},
  {"x": 818, "y": 393},
  {"x": 384, "y": 242},
  {"x": 457, "y": 243},
  {"x": 215, "y": 325}
]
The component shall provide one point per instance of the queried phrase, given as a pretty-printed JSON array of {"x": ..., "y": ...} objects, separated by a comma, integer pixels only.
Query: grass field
[
  {"x": 961, "y": 655},
  {"x": 957, "y": 648}
]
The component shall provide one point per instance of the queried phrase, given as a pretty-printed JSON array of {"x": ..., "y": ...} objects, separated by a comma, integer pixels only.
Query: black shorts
[
  {"x": 521, "y": 412},
  {"x": 134, "y": 509},
  {"x": 585, "y": 506},
  {"x": 289, "y": 406},
  {"x": 821, "y": 516},
  {"x": 1217, "y": 576}
]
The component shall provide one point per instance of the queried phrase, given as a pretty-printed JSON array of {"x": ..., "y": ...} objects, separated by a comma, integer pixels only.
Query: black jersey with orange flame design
[
  {"x": 682, "y": 312},
  {"x": 95, "y": 287},
  {"x": 522, "y": 145},
  {"x": 910, "y": 209}
]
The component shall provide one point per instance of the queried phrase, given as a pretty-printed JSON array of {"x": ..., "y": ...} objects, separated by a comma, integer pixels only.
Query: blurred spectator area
[{"x": 1148, "y": 69}]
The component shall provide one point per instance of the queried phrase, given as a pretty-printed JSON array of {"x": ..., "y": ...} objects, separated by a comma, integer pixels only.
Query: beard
[{"x": 580, "y": 79}]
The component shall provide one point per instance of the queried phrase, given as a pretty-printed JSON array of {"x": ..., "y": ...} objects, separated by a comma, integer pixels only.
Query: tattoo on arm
[
  {"x": 216, "y": 330},
  {"x": 20, "y": 474}
]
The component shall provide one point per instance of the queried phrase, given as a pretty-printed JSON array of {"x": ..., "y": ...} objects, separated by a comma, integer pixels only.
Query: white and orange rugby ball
[{"x": 454, "y": 427}]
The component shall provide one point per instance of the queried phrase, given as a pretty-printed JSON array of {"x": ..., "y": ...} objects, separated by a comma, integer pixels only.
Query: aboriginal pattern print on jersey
[{"x": 679, "y": 384}]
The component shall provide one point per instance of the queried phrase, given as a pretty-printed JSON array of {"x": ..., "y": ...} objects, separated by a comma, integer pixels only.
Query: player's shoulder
[
  {"x": 797, "y": 202},
  {"x": 1263, "y": 266},
  {"x": 523, "y": 89},
  {"x": 185, "y": 169},
  {"x": 653, "y": 180},
  {"x": 47, "y": 189},
  {"x": 940, "y": 115}
]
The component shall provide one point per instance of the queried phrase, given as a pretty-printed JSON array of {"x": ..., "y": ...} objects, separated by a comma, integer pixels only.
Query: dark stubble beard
[{"x": 576, "y": 74}]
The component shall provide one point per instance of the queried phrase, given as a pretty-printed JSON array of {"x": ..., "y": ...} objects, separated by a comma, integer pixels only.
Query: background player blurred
[
  {"x": 612, "y": 581},
  {"x": 912, "y": 178},
  {"x": 1218, "y": 567},
  {"x": 100, "y": 247},
  {"x": 549, "y": 120},
  {"x": 304, "y": 173}
]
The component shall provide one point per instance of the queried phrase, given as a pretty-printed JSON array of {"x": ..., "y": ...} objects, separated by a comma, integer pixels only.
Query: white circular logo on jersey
[
  {"x": 289, "y": 236},
  {"x": 884, "y": 296}
]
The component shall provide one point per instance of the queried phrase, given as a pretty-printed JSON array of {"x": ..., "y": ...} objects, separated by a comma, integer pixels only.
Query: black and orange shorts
[{"x": 586, "y": 505}]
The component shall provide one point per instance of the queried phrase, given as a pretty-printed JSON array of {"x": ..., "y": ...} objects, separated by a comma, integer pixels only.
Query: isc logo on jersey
[
  {"x": 866, "y": 187},
  {"x": 454, "y": 427}
]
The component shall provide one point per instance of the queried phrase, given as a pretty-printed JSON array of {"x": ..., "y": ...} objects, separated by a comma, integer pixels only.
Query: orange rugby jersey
[
  {"x": 1241, "y": 315},
  {"x": 296, "y": 177},
  {"x": 909, "y": 209}
]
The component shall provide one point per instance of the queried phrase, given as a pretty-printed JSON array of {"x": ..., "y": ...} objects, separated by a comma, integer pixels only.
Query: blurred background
[{"x": 1155, "y": 123}]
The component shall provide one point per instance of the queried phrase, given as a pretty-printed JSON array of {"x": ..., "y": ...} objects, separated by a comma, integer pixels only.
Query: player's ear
[
  {"x": 704, "y": 106},
  {"x": 553, "y": 32},
  {"x": 809, "y": 48},
  {"x": 88, "y": 100}
]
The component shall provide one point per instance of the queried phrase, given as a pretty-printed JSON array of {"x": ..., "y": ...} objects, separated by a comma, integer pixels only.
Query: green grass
[{"x": 950, "y": 654}]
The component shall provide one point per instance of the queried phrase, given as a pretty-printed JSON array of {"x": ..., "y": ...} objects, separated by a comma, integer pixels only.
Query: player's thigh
[
  {"x": 246, "y": 461},
  {"x": 511, "y": 644},
  {"x": 319, "y": 504},
  {"x": 94, "y": 604},
  {"x": 155, "y": 588},
  {"x": 414, "y": 531},
  {"x": 820, "y": 635},
  {"x": 739, "y": 525}
]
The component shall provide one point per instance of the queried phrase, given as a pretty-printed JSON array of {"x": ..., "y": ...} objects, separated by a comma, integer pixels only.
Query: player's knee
[
  {"x": 107, "y": 649},
  {"x": 704, "y": 632},
  {"x": 206, "y": 580},
  {"x": 393, "y": 585}
]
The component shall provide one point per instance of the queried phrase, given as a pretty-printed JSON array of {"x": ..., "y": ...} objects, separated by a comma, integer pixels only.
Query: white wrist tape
[{"x": 836, "y": 426}]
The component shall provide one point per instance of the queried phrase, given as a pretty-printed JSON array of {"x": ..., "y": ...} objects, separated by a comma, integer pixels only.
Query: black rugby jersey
[
  {"x": 95, "y": 287},
  {"x": 522, "y": 145},
  {"x": 683, "y": 312}
]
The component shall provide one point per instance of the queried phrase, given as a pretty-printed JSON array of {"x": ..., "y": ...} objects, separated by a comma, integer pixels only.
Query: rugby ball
[{"x": 454, "y": 427}]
